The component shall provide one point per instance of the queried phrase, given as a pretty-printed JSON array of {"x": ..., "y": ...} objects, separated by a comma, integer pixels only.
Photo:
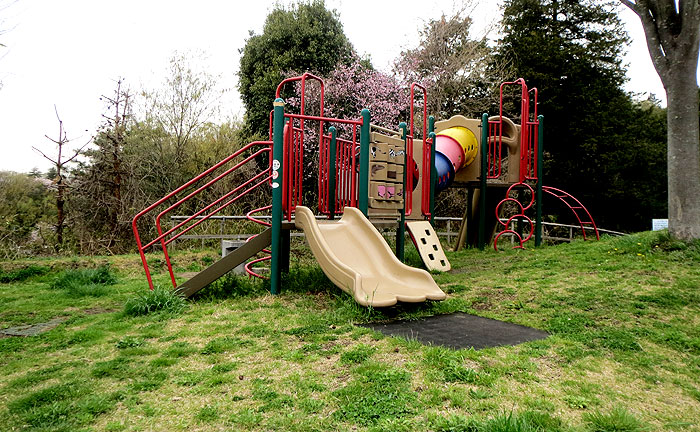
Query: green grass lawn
[{"x": 623, "y": 355}]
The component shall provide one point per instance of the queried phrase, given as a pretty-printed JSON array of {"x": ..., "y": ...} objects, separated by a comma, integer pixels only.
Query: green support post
[
  {"x": 540, "y": 171},
  {"x": 401, "y": 230},
  {"x": 431, "y": 124},
  {"x": 481, "y": 241},
  {"x": 333, "y": 151},
  {"x": 285, "y": 245},
  {"x": 469, "y": 219},
  {"x": 363, "y": 192},
  {"x": 277, "y": 157},
  {"x": 433, "y": 177}
]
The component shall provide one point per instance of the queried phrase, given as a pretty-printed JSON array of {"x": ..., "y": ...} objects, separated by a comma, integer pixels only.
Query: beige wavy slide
[{"x": 358, "y": 260}]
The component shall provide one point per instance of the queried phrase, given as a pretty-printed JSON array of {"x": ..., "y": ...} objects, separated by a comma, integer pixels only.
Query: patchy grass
[
  {"x": 158, "y": 299},
  {"x": 623, "y": 355},
  {"x": 21, "y": 274},
  {"x": 85, "y": 282}
]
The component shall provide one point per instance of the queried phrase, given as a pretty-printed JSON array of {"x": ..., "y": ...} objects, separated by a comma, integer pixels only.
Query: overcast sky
[{"x": 69, "y": 53}]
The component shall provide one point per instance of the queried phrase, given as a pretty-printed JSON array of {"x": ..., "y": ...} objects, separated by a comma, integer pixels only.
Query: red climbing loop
[
  {"x": 583, "y": 216},
  {"x": 520, "y": 215}
]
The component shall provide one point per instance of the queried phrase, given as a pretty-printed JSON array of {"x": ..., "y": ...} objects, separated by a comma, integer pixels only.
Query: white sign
[
  {"x": 659, "y": 224},
  {"x": 275, "y": 174},
  {"x": 275, "y": 164},
  {"x": 275, "y": 185}
]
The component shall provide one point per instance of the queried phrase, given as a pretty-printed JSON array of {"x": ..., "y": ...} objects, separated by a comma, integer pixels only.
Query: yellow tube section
[{"x": 466, "y": 140}]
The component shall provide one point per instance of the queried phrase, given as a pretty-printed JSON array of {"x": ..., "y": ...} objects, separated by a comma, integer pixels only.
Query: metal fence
[{"x": 447, "y": 227}]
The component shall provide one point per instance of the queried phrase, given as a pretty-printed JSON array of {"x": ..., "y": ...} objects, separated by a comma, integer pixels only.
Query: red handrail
[
  {"x": 408, "y": 189},
  {"x": 529, "y": 125},
  {"x": 346, "y": 164},
  {"x": 161, "y": 236},
  {"x": 302, "y": 78},
  {"x": 425, "y": 201},
  {"x": 248, "y": 266},
  {"x": 324, "y": 119},
  {"x": 528, "y": 170},
  {"x": 302, "y": 109},
  {"x": 425, "y": 109},
  {"x": 563, "y": 196}
]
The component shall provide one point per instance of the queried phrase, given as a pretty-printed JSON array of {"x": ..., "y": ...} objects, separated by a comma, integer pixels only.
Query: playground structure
[{"x": 369, "y": 175}]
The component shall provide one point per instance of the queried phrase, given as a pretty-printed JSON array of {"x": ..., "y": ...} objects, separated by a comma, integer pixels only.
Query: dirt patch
[
  {"x": 462, "y": 270},
  {"x": 97, "y": 310}
]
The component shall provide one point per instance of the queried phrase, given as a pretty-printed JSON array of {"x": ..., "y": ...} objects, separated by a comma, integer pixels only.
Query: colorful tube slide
[{"x": 455, "y": 148}]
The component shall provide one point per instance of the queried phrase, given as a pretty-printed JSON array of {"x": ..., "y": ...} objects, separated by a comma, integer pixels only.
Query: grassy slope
[{"x": 624, "y": 350}]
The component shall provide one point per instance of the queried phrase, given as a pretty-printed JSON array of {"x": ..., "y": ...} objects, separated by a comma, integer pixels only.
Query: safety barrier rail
[
  {"x": 346, "y": 164},
  {"x": 495, "y": 147},
  {"x": 427, "y": 149},
  {"x": 230, "y": 197},
  {"x": 528, "y": 139},
  {"x": 445, "y": 226},
  {"x": 529, "y": 128}
]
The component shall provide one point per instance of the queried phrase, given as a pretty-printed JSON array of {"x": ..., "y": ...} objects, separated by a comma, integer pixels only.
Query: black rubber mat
[{"x": 460, "y": 330}]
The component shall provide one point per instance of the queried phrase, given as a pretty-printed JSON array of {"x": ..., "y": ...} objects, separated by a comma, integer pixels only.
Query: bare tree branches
[{"x": 59, "y": 164}]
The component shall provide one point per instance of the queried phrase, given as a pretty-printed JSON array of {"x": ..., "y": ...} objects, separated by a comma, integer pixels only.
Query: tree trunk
[
  {"x": 683, "y": 154},
  {"x": 116, "y": 190},
  {"x": 60, "y": 214},
  {"x": 672, "y": 30}
]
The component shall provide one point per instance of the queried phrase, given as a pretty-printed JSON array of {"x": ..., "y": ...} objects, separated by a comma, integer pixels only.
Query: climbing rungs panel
[{"x": 428, "y": 245}]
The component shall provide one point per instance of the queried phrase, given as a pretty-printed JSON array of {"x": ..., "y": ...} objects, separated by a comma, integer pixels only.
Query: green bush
[
  {"x": 233, "y": 286},
  {"x": 527, "y": 421},
  {"x": 156, "y": 300},
  {"x": 22, "y": 274},
  {"x": 85, "y": 282},
  {"x": 307, "y": 279},
  {"x": 617, "y": 420}
]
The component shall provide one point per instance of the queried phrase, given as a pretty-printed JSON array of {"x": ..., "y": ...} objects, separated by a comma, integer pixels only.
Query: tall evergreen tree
[
  {"x": 306, "y": 37},
  {"x": 571, "y": 50}
]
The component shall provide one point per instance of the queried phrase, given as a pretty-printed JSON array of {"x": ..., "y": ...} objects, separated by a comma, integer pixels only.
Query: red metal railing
[
  {"x": 230, "y": 197},
  {"x": 301, "y": 117},
  {"x": 249, "y": 266},
  {"x": 302, "y": 79},
  {"x": 528, "y": 138},
  {"x": 346, "y": 173},
  {"x": 529, "y": 126},
  {"x": 293, "y": 169},
  {"x": 410, "y": 163},
  {"x": 583, "y": 216},
  {"x": 494, "y": 149},
  {"x": 425, "y": 198},
  {"x": 346, "y": 165}
]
